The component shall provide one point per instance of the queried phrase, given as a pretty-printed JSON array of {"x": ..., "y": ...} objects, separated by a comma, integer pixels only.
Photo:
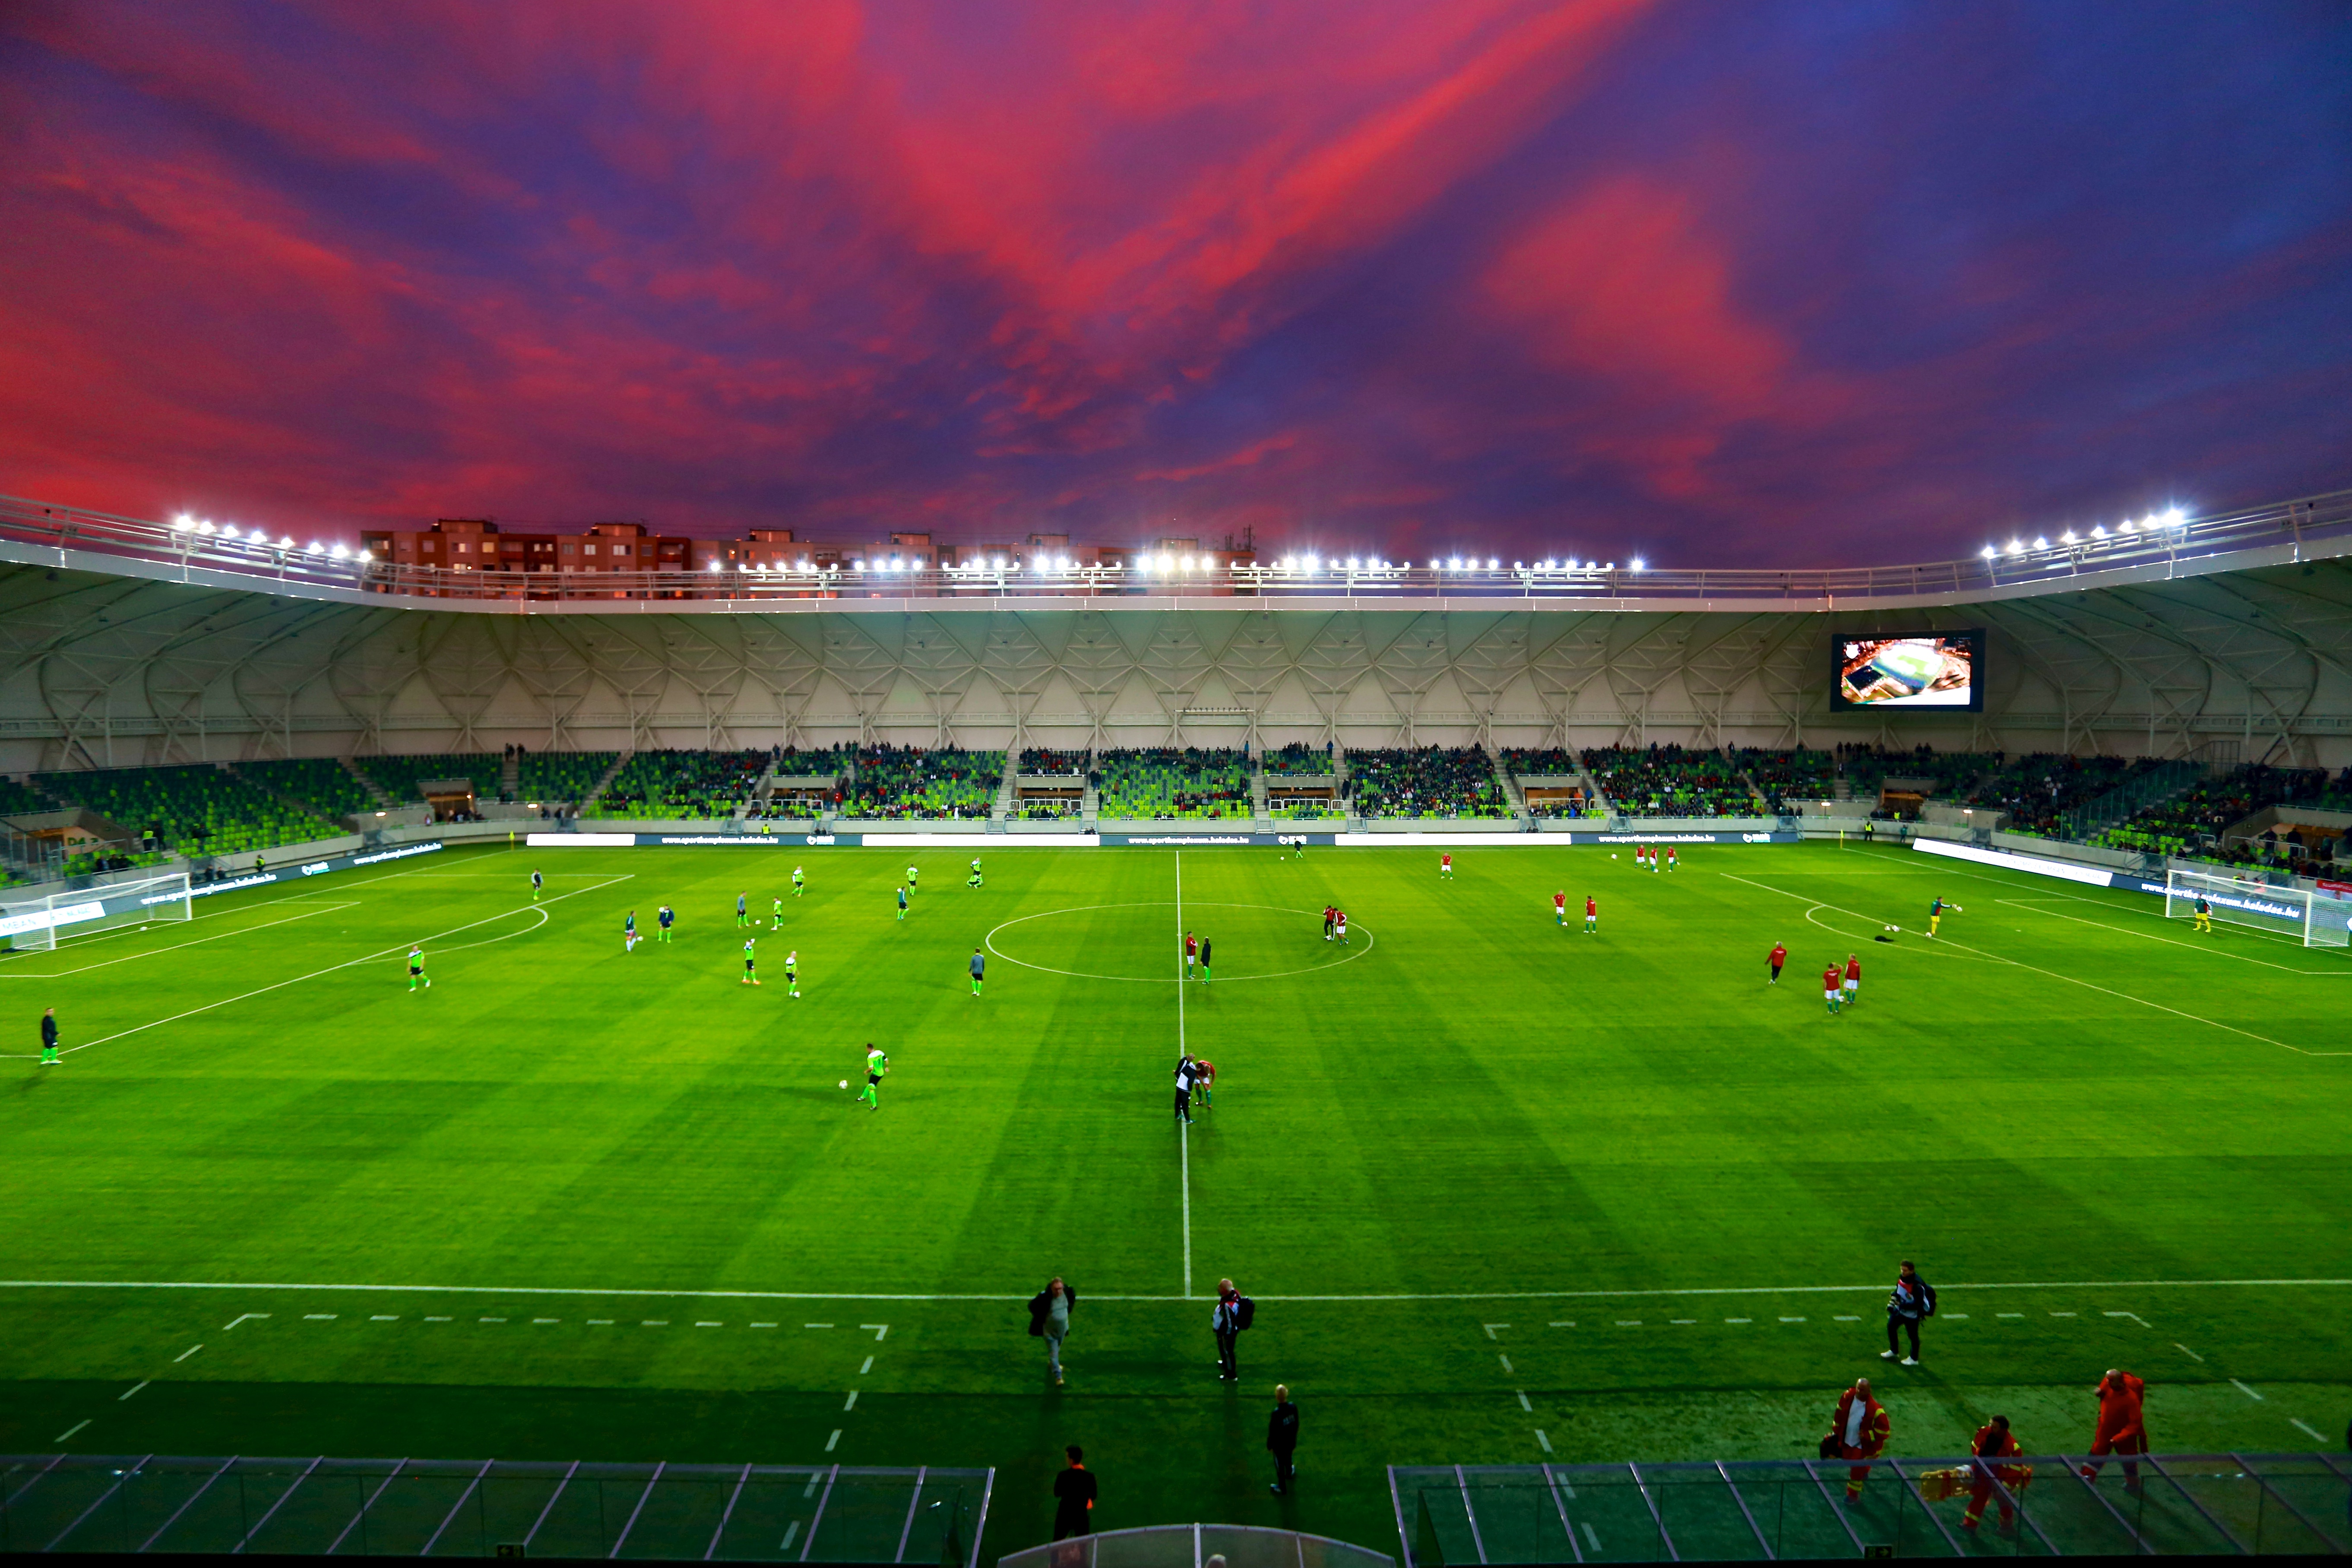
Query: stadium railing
[
  {"x": 322, "y": 1506},
  {"x": 2182, "y": 1504},
  {"x": 2306, "y": 527},
  {"x": 1193, "y": 1546}
]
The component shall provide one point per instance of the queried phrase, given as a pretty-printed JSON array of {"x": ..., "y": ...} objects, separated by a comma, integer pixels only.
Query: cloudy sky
[{"x": 1718, "y": 281}]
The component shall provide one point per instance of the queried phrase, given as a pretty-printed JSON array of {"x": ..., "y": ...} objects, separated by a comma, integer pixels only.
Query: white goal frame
[
  {"x": 2295, "y": 913},
  {"x": 38, "y": 925}
]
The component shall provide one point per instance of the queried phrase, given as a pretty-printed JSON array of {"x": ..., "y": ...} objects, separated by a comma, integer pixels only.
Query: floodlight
[
  {"x": 2176, "y": 517},
  {"x": 2099, "y": 532},
  {"x": 2016, "y": 547},
  {"x": 316, "y": 548},
  {"x": 337, "y": 552},
  {"x": 2126, "y": 527},
  {"x": 2067, "y": 537},
  {"x": 183, "y": 523},
  {"x": 1351, "y": 563},
  {"x": 1493, "y": 565},
  {"x": 1000, "y": 563},
  {"x": 1989, "y": 552},
  {"x": 1186, "y": 563},
  {"x": 364, "y": 556},
  {"x": 2041, "y": 542},
  {"x": 1637, "y": 563}
]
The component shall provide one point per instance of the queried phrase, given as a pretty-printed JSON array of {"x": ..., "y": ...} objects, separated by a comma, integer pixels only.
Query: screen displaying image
[{"x": 1929, "y": 670}]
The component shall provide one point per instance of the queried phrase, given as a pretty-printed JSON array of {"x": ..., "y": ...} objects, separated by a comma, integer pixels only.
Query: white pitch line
[
  {"x": 175, "y": 946},
  {"x": 2070, "y": 979},
  {"x": 2029, "y": 904},
  {"x": 1184, "y": 1128},
  {"x": 334, "y": 968},
  {"x": 635, "y": 1291}
]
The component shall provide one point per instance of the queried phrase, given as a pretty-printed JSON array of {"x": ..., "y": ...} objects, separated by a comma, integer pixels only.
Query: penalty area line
[
  {"x": 334, "y": 968},
  {"x": 2052, "y": 974}
]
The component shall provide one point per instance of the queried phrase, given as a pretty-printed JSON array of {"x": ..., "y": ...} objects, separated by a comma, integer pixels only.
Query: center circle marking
[{"x": 990, "y": 941}]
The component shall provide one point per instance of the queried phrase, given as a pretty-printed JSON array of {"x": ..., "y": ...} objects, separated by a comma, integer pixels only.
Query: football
[
  {"x": 1613, "y": 854},
  {"x": 844, "y": 1083},
  {"x": 1895, "y": 928}
]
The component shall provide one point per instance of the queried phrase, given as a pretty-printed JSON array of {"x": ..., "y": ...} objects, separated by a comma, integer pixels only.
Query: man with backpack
[
  {"x": 1912, "y": 1299},
  {"x": 1233, "y": 1314}
]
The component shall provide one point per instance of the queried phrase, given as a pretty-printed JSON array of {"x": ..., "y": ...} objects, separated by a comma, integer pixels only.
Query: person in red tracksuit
[
  {"x": 1860, "y": 1429},
  {"x": 1994, "y": 1441},
  {"x": 2122, "y": 1427}
]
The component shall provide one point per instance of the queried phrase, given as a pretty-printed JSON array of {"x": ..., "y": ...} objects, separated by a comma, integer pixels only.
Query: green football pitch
[{"x": 1501, "y": 1189}]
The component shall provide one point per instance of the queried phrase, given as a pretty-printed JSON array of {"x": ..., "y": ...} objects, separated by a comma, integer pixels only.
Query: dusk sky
[{"x": 1719, "y": 281}]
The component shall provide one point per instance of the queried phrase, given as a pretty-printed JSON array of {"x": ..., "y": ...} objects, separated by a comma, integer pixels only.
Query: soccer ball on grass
[{"x": 844, "y": 1083}]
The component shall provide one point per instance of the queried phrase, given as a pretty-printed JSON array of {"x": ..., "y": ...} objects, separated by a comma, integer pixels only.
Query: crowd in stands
[
  {"x": 1046, "y": 759},
  {"x": 398, "y": 777},
  {"x": 1787, "y": 777},
  {"x": 1425, "y": 781},
  {"x": 909, "y": 782},
  {"x": 2192, "y": 822},
  {"x": 1298, "y": 761},
  {"x": 1539, "y": 761},
  {"x": 1951, "y": 774},
  {"x": 1160, "y": 783},
  {"x": 548, "y": 777},
  {"x": 1051, "y": 811},
  {"x": 1669, "y": 781},
  {"x": 681, "y": 785},
  {"x": 197, "y": 809},
  {"x": 2037, "y": 790},
  {"x": 1579, "y": 806}
]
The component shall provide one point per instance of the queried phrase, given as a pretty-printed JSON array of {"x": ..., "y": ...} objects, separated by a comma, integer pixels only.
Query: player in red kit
[
  {"x": 2123, "y": 1429},
  {"x": 1446, "y": 865},
  {"x": 1670, "y": 857},
  {"x": 1778, "y": 957},
  {"x": 1830, "y": 988},
  {"x": 1591, "y": 915},
  {"x": 1852, "y": 979},
  {"x": 1559, "y": 907},
  {"x": 1329, "y": 914}
]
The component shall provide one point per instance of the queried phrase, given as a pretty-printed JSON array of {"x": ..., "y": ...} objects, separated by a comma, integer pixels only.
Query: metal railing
[
  {"x": 477, "y": 1508},
  {"x": 2306, "y": 526},
  {"x": 1767, "y": 1510}
]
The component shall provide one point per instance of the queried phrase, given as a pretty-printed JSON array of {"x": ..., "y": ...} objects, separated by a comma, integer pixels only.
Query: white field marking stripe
[
  {"x": 2041, "y": 896},
  {"x": 632, "y": 1292},
  {"x": 1184, "y": 1130},
  {"x": 2070, "y": 979},
  {"x": 332, "y": 968},
  {"x": 2171, "y": 942},
  {"x": 173, "y": 947}
]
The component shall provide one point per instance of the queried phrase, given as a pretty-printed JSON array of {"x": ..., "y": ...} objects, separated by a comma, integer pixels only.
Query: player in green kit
[
  {"x": 799, "y": 881},
  {"x": 537, "y": 882},
  {"x": 629, "y": 933},
  {"x": 878, "y": 1066},
  {"x": 793, "y": 974},
  {"x": 910, "y": 879},
  {"x": 742, "y": 911},
  {"x": 417, "y": 970},
  {"x": 902, "y": 904},
  {"x": 749, "y": 977},
  {"x": 778, "y": 924},
  {"x": 664, "y": 918},
  {"x": 974, "y": 880}
]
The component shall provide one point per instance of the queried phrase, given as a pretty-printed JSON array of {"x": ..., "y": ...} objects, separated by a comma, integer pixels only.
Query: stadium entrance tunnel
[{"x": 1143, "y": 944}]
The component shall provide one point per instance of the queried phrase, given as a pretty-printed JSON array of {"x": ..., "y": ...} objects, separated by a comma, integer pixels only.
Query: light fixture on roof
[
  {"x": 2041, "y": 542},
  {"x": 365, "y": 555},
  {"x": 2126, "y": 527},
  {"x": 2175, "y": 518},
  {"x": 1989, "y": 552},
  {"x": 2099, "y": 531},
  {"x": 1000, "y": 563},
  {"x": 1637, "y": 563},
  {"x": 337, "y": 552},
  {"x": 184, "y": 523},
  {"x": 1352, "y": 563},
  {"x": 1493, "y": 565},
  {"x": 2017, "y": 546}
]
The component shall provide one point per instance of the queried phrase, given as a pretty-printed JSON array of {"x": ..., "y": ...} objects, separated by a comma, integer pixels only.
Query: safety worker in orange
[
  {"x": 1994, "y": 1440},
  {"x": 2122, "y": 1427},
  {"x": 1861, "y": 1429}
]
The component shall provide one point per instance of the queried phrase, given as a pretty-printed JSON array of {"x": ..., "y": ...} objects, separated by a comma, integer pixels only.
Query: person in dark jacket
[
  {"x": 49, "y": 1038},
  {"x": 1049, "y": 1318},
  {"x": 1074, "y": 1497},
  {"x": 1912, "y": 1299},
  {"x": 1282, "y": 1438}
]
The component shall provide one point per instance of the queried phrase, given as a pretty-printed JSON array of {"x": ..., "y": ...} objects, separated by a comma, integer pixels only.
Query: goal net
[
  {"x": 35, "y": 924},
  {"x": 2313, "y": 919}
]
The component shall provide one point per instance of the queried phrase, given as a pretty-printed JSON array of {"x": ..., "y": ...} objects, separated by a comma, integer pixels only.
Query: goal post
[
  {"x": 37, "y": 924},
  {"x": 2299, "y": 914}
]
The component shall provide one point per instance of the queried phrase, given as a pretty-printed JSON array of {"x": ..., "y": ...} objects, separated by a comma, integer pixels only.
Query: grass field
[{"x": 1495, "y": 1184}]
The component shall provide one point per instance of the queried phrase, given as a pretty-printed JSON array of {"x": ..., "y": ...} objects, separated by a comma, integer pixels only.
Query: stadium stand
[
  {"x": 2036, "y": 790},
  {"x": 1867, "y": 768},
  {"x": 1051, "y": 811},
  {"x": 321, "y": 783},
  {"x": 1669, "y": 781},
  {"x": 397, "y": 776},
  {"x": 679, "y": 785},
  {"x": 1045, "y": 760},
  {"x": 1162, "y": 784},
  {"x": 549, "y": 777},
  {"x": 910, "y": 782},
  {"x": 18, "y": 799},
  {"x": 2188, "y": 824},
  {"x": 1298, "y": 761},
  {"x": 1527, "y": 761},
  {"x": 1426, "y": 781},
  {"x": 1788, "y": 776},
  {"x": 197, "y": 808}
]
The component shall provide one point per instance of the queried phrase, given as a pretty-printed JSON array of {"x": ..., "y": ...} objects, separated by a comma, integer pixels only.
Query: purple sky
[{"x": 1749, "y": 283}]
